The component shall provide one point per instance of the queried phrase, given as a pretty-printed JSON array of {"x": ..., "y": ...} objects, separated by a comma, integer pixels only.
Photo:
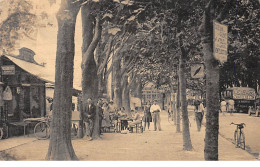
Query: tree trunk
[
  {"x": 174, "y": 116},
  {"x": 139, "y": 88},
  {"x": 60, "y": 147},
  {"x": 100, "y": 85},
  {"x": 212, "y": 88},
  {"x": 126, "y": 96},
  {"x": 178, "y": 121},
  {"x": 117, "y": 82},
  {"x": 89, "y": 67},
  {"x": 185, "y": 119}
]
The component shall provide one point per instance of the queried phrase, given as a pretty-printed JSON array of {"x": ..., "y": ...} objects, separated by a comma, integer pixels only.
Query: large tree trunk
[
  {"x": 60, "y": 147},
  {"x": 101, "y": 85},
  {"x": 178, "y": 121},
  {"x": 117, "y": 82},
  {"x": 126, "y": 96},
  {"x": 185, "y": 119},
  {"x": 89, "y": 67},
  {"x": 173, "y": 110},
  {"x": 212, "y": 89}
]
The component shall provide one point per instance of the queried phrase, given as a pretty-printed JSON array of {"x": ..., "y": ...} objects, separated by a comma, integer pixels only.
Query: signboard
[
  {"x": 197, "y": 71},
  {"x": 8, "y": 70},
  {"x": 220, "y": 41},
  {"x": 244, "y": 93}
]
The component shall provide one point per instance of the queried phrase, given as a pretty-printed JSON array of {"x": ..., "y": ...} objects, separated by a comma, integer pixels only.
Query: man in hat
[{"x": 89, "y": 117}]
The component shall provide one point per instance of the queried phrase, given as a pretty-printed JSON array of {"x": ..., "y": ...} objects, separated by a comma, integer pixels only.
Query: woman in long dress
[
  {"x": 106, "y": 120},
  {"x": 147, "y": 116}
]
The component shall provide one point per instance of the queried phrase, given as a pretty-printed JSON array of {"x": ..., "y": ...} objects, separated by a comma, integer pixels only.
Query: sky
[{"x": 46, "y": 40}]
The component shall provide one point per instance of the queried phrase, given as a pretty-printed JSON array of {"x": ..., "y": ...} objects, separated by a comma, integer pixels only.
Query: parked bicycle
[
  {"x": 239, "y": 136},
  {"x": 42, "y": 129}
]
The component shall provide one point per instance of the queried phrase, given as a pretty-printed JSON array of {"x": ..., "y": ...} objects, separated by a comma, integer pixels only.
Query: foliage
[
  {"x": 16, "y": 21},
  {"x": 243, "y": 61}
]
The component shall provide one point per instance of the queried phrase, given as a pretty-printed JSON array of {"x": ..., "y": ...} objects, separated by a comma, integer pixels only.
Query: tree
[
  {"x": 60, "y": 146},
  {"x": 219, "y": 11},
  {"x": 90, "y": 24},
  {"x": 17, "y": 21},
  {"x": 241, "y": 66}
]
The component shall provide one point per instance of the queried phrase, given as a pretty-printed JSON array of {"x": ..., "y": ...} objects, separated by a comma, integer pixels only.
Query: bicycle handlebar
[{"x": 238, "y": 124}]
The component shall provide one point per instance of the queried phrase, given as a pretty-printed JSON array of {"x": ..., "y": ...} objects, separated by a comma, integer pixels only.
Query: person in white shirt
[
  {"x": 231, "y": 106},
  {"x": 223, "y": 106},
  {"x": 155, "y": 111}
]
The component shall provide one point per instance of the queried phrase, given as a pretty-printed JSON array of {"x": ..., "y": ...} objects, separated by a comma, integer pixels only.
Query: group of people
[
  {"x": 108, "y": 116},
  {"x": 118, "y": 117},
  {"x": 152, "y": 114},
  {"x": 227, "y": 106}
]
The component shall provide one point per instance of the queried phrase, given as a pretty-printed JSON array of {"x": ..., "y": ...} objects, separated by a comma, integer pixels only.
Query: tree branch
[
  {"x": 107, "y": 54},
  {"x": 96, "y": 38}
]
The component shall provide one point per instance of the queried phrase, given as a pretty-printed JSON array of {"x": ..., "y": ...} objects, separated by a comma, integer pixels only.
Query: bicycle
[
  {"x": 42, "y": 129},
  {"x": 239, "y": 136}
]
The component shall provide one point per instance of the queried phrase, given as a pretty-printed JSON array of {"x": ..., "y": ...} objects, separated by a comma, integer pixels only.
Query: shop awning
[{"x": 38, "y": 71}]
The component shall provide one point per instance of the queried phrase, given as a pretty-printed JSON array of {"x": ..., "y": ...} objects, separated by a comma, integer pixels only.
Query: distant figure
[
  {"x": 199, "y": 116},
  {"x": 136, "y": 120},
  {"x": 147, "y": 116},
  {"x": 223, "y": 106},
  {"x": 106, "y": 119},
  {"x": 89, "y": 117},
  {"x": 100, "y": 113},
  {"x": 231, "y": 106},
  {"x": 196, "y": 104},
  {"x": 155, "y": 110},
  {"x": 122, "y": 118}
]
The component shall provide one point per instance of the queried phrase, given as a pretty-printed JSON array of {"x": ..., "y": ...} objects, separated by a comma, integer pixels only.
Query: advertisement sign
[
  {"x": 244, "y": 93},
  {"x": 220, "y": 41},
  {"x": 8, "y": 70}
]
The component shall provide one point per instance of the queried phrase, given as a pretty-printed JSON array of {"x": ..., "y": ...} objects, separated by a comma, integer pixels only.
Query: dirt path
[{"x": 150, "y": 145}]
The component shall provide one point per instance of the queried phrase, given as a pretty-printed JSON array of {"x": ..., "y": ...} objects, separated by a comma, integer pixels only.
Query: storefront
[
  {"x": 22, "y": 93},
  {"x": 26, "y": 88}
]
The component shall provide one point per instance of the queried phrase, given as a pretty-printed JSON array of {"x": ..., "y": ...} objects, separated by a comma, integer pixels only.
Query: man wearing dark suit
[{"x": 89, "y": 117}]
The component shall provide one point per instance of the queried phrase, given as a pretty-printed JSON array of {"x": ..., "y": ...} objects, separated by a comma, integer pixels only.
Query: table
[{"x": 123, "y": 123}]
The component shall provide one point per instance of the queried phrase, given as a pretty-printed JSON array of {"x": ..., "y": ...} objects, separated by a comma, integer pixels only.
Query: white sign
[
  {"x": 220, "y": 41},
  {"x": 8, "y": 70},
  {"x": 197, "y": 71}
]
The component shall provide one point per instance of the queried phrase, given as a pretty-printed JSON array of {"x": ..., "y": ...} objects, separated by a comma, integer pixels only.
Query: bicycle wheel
[
  {"x": 242, "y": 141},
  {"x": 42, "y": 130},
  {"x": 236, "y": 139}
]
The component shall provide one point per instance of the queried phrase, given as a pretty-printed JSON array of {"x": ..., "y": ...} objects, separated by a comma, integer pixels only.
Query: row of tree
[{"x": 138, "y": 41}]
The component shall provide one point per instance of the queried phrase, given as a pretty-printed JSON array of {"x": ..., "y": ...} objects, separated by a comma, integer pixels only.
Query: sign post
[
  {"x": 197, "y": 70},
  {"x": 220, "y": 41}
]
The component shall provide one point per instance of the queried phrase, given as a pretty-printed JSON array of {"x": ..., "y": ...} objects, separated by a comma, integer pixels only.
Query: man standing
[
  {"x": 155, "y": 110},
  {"x": 100, "y": 113},
  {"x": 89, "y": 117}
]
